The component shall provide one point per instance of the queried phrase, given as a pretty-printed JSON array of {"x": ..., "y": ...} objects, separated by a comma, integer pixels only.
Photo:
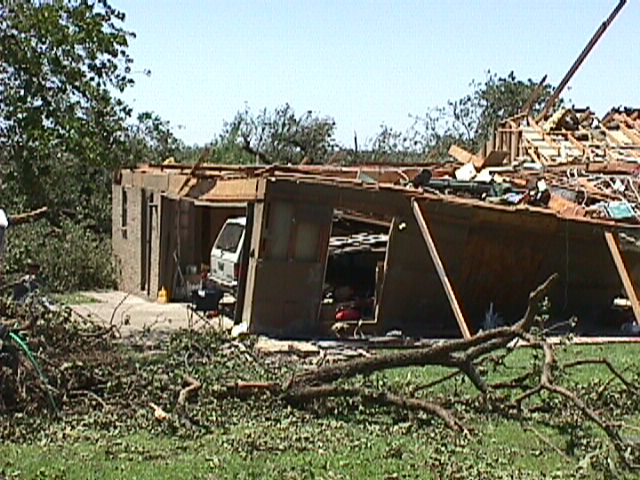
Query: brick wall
[
  {"x": 129, "y": 238},
  {"x": 196, "y": 227}
]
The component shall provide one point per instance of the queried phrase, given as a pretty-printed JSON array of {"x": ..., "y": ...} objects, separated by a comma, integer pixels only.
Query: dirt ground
[{"x": 134, "y": 314}]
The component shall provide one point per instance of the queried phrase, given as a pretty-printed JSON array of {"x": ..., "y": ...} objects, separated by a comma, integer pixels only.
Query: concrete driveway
[{"x": 134, "y": 314}]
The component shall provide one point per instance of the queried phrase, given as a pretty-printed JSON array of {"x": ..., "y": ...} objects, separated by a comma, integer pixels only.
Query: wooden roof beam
[{"x": 583, "y": 55}]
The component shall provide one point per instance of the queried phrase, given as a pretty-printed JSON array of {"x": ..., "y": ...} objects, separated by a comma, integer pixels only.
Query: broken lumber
[
  {"x": 574, "y": 67},
  {"x": 624, "y": 275},
  {"x": 533, "y": 98},
  {"x": 464, "y": 156},
  {"x": 433, "y": 251},
  {"x": 187, "y": 392},
  {"x": 203, "y": 158}
]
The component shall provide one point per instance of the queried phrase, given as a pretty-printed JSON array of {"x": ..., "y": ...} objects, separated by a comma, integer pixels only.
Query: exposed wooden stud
[
  {"x": 624, "y": 274},
  {"x": 576, "y": 143},
  {"x": 433, "y": 251},
  {"x": 28, "y": 216},
  {"x": 610, "y": 136},
  {"x": 546, "y": 137},
  {"x": 630, "y": 133}
]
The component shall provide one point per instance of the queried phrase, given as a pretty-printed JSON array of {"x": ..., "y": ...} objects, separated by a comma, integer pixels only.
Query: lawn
[
  {"x": 262, "y": 438},
  {"x": 320, "y": 449},
  {"x": 74, "y": 298}
]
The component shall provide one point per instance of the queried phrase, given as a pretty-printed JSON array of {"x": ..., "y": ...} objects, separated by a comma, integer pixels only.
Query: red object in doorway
[{"x": 348, "y": 314}]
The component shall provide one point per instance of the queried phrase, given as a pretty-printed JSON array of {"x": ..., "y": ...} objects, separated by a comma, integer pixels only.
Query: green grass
[
  {"x": 256, "y": 441},
  {"x": 333, "y": 451},
  {"x": 74, "y": 298}
]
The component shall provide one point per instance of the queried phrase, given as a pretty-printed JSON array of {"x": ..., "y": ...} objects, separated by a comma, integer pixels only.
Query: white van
[{"x": 226, "y": 254}]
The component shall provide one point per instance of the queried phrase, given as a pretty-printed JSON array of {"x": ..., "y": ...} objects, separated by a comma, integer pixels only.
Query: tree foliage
[
  {"x": 476, "y": 115},
  {"x": 72, "y": 257},
  {"x": 62, "y": 129},
  {"x": 151, "y": 140},
  {"x": 278, "y": 136},
  {"x": 468, "y": 121}
]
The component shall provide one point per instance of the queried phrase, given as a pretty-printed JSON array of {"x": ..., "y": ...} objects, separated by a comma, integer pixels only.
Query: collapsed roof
[{"x": 501, "y": 221}]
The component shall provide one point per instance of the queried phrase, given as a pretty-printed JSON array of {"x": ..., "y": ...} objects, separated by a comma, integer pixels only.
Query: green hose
[{"x": 22, "y": 344}]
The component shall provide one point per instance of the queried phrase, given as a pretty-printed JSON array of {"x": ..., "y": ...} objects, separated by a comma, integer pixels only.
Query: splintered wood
[{"x": 624, "y": 275}]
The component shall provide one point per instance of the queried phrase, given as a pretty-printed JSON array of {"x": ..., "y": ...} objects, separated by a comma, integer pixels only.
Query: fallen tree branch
[
  {"x": 459, "y": 354},
  {"x": 440, "y": 354},
  {"x": 306, "y": 394},
  {"x": 546, "y": 441},
  {"x": 241, "y": 389},
  {"x": 434, "y": 383},
  {"x": 546, "y": 383},
  {"x": 92, "y": 395},
  {"x": 603, "y": 361},
  {"x": 187, "y": 392},
  {"x": 27, "y": 216},
  {"x": 514, "y": 383},
  {"x": 465, "y": 356}
]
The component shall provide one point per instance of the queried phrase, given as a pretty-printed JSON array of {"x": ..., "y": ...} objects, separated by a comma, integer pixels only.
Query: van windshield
[{"x": 229, "y": 237}]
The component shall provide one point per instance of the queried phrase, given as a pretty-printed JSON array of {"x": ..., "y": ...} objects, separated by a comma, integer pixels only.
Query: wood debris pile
[{"x": 574, "y": 163}]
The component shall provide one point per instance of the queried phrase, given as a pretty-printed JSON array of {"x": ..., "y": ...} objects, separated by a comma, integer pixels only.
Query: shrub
[{"x": 71, "y": 256}]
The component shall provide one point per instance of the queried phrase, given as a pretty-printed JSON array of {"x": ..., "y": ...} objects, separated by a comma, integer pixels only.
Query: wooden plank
[
  {"x": 463, "y": 156},
  {"x": 624, "y": 168},
  {"x": 27, "y": 217},
  {"x": 565, "y": 207},
  {"x": 545, "y": 136},
  {"x": 496, "y": 158},
  {"x": 233, "y": 190},
  {"x": 433, "y": 251},
  {"x": 612, "y": 138},
  {"x": 576, "y": 143},
  {"x": 574, "y": 68},
  {"x": 624, "y": 275},
  {"x": 630, "y": 134},
  {"x": 533, "y": 98}
]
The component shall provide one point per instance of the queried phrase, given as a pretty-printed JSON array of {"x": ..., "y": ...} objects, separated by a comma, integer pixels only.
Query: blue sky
[{"x": 365, "y": 63}]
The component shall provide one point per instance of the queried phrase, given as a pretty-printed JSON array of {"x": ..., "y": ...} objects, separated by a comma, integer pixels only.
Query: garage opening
[{"x": 354, "y": 273}]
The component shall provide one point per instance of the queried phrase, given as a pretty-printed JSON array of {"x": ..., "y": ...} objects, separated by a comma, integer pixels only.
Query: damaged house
[{"x": 450, "y": 248}]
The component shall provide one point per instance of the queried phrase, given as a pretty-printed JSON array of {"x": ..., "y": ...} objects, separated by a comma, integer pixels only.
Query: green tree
[
  {"x": 62, "y": 127},
  {"x": 151, "y": 140},
  {"x": 278, "y": 136},
  {"x": 468, "y": 121},
  {"x": 475, "y": 116}
]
